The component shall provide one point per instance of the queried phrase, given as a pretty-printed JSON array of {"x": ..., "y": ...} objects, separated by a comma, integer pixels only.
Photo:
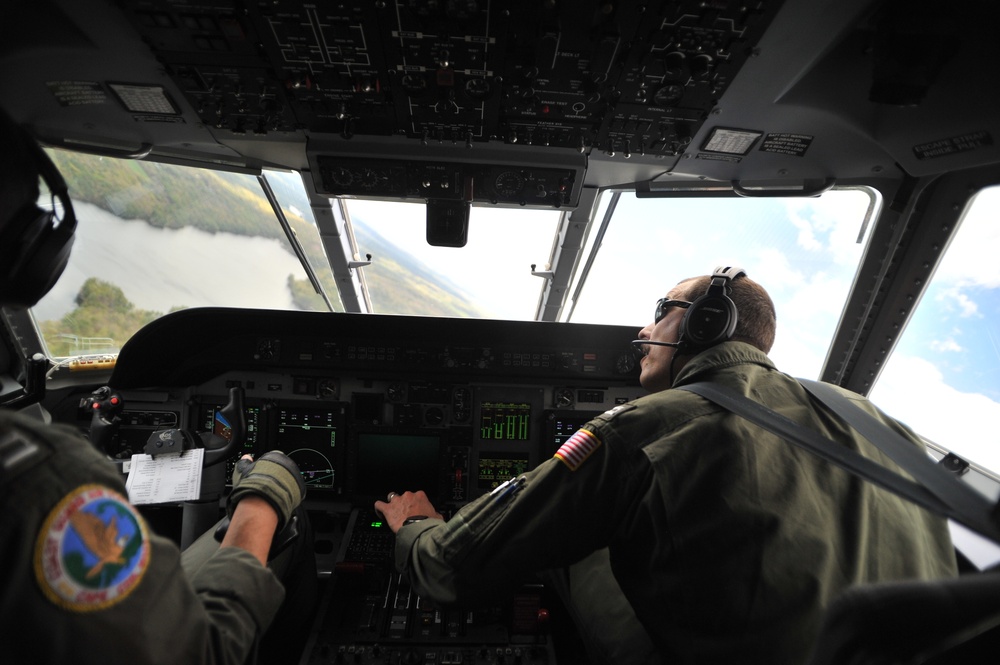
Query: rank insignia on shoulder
[
  {"x": 92, "y": 550},
  {"x": 615, "y": 410},
  {"x": 578, "y": 448}
]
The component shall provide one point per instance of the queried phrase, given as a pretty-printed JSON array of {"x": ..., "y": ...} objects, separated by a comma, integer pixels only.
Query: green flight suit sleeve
[
  {"x": 560, "y": 512},
  {"x": 240, "y": 598}
]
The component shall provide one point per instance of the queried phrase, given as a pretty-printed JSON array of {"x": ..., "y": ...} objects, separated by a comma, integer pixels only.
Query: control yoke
[
  {"x": 231, "y": 419},
  {"x": 220, "y": 444},
  {"x": 233, "y": 416}
]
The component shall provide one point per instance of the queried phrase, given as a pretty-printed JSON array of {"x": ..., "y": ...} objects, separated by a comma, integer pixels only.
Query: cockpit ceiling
[{"x": 602, "y": 94}]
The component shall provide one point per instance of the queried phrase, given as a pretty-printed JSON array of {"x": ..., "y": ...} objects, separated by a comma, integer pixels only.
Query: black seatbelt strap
[{"x": 936, "y": 490}]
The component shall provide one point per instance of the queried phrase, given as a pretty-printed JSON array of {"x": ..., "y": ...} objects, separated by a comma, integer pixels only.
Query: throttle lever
[{"x": 106, "y": 407}]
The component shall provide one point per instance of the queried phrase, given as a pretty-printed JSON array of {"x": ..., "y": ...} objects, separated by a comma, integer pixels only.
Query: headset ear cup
[
  {"x": 44, "y": 270},
  {"x": 36, "y": 243},
  {"x": 39, "y": 254},
  {"x": 710, "y": 320}
]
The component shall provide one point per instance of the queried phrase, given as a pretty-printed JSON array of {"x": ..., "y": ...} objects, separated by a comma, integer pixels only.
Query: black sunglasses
[{"x": 663, "y": 304}]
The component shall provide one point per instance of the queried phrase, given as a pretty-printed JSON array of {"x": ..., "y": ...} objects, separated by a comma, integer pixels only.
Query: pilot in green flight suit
[
  {"x": 85, "y": 579},
  {"x": 727, "y": 542}
]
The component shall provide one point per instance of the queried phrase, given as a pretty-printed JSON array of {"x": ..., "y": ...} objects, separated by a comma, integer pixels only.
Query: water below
[{"x": 160, "y": 269}]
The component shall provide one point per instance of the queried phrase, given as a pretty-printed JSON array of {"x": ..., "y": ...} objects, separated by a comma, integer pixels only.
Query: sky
[
  {"x": 944, "y": 375},
  {"x": 495, "y": 264}
]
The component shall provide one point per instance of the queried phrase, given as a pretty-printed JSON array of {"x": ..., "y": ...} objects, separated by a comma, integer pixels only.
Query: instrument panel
[
  {"x": 369, "y": 404},
  {"x": 364, "y": 404},
  {"x": 454, "y": 441}
]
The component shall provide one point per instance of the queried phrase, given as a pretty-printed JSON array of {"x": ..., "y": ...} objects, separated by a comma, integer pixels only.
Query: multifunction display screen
[
  {"x": 398, "y": 461},
  {"x": 213, "y": 421},
  {"x": 505, "y": 421},
  {"x": 309, "y": 436},
  {"x": 497, "y": 468}
]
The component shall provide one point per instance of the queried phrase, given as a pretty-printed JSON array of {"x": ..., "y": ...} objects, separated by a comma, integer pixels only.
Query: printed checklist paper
[{"x": 165, "y": 478}]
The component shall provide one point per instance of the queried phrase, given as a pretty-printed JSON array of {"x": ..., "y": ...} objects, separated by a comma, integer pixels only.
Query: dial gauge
[{"x": 509, "y": 184}]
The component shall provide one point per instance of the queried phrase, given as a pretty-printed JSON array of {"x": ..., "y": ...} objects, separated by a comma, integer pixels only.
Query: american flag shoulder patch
[{"x": 578, "y": 448}]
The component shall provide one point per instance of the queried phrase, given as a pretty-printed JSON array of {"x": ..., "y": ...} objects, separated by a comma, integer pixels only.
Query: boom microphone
[{"x": 639, "y": 343}]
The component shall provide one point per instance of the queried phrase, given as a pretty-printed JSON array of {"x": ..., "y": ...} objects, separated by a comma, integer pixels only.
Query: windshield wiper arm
[
  {"x": 293, "y": 240},
  {"x": 596, "y": 247}
]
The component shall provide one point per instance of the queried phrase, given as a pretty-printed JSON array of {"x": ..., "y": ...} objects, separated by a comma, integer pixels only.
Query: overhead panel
[{"x": 637, "y": 77}]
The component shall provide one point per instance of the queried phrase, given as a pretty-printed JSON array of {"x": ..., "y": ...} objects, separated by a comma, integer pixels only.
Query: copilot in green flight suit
[{"x": 727, "y": 542}]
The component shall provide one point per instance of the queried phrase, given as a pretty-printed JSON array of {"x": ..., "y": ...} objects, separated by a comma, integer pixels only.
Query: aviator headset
[
  {"x": 710, "y": 319},
  {"x": 39, "y": 240}
]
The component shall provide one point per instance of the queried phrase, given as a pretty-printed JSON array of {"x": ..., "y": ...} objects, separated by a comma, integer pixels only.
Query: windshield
[
  {"x": 154, "y": 238},
  {"x": 488, "y": 278}
]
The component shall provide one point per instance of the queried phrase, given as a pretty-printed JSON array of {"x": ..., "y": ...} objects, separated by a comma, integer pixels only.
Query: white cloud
[
  {"x": 953, "y": 299},
  {"x": 913, "y": 390},
  {"x": 967, "y": 306},
  {"x": 971, "y": 256},
  {"x": 945, "y": 345},
  {"x": 806, "y": 238},
  {"x": 795, "y": 354},
  {"x": 837, "y": 217},
  {"x": 770, "y": 267}
]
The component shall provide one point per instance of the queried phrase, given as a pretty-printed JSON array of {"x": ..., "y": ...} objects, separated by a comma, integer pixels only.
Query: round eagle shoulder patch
[{"x": 92, "y": 550}]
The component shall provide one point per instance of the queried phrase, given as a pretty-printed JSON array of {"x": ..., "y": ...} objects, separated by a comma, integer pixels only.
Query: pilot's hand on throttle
[
  {"x": 398, "y": 507},
  {"x": 274, "y": 477}
]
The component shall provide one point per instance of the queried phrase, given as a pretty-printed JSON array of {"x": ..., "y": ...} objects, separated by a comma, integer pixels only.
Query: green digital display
[
  {"x": 497, "y": 468},
  {"x": 505, "y": 421}
]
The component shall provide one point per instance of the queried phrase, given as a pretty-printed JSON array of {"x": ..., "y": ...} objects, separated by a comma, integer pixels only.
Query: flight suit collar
[{"x": 727, "y": 354}]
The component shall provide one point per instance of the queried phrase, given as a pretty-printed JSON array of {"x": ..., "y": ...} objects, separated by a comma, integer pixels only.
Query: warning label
[
  {"x": 77, "y": 93},
  {"x": 719, "y": 158},
  {"x": 786, "y": 144},
  {"x": 953, "y": 145}
]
